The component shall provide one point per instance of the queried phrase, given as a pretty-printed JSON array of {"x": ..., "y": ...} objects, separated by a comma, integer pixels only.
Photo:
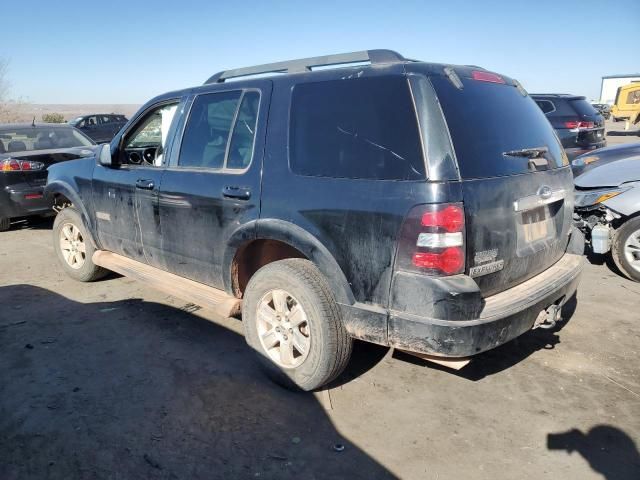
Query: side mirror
[{"x": 103, "y": 155}]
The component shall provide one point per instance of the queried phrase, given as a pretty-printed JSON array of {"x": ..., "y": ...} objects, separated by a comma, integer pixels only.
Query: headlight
[
  {"x": 585, "y": 198},
  {"x": 593, "y": 197},
  {"x": 582, "y": 161}
]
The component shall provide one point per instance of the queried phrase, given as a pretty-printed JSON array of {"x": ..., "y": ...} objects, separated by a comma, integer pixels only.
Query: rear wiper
[
  {"x": 535, "y": 152},
  {"x": 536, "y": 156}
]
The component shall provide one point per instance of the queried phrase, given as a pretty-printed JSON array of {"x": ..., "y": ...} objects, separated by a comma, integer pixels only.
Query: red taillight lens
[
  {"x": 449, "y": 261},
  {"x": 432, "y": 240},
  {"x": 486, "y": 77},
  {"x": 574, "y": 124},
  {"x": 450, "y": 218},
  {"x": 13, "y": 165},
  {"x": 10, "y": 165}
]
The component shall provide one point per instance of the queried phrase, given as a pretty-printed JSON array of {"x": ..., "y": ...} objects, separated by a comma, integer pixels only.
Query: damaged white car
[{"x": 607, "y": 210}]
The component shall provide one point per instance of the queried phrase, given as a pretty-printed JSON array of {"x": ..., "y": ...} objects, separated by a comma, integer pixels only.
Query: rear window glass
[
  {"x": 357, "y": 128},
  {"x": 486, "y": 120},
  {"x": 41, "y": 138},
  {"x": 582, "y": 107}
]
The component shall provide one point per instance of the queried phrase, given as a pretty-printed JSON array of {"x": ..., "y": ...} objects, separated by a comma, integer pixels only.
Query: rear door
[
  {"x": 212, "y": 185},
  {"x": 518, "y": 208}
]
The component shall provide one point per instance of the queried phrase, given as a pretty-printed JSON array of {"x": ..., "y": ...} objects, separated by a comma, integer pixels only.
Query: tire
[
  {"x": 65, "y": 226},
  {"x": 5, "y": 224},
  {"x": 626, "y": 244},
  {"x": 308, "y": 295}
]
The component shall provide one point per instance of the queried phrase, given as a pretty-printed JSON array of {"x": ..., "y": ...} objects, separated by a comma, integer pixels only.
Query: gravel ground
[{"x": 114, "y": 380}]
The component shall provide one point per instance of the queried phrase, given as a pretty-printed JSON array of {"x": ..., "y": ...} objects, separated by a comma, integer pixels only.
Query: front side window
[
  {"x": 221, "y": 130},
  {"x": 356, "y": 128},
  {"x": 147, "y": 141}
]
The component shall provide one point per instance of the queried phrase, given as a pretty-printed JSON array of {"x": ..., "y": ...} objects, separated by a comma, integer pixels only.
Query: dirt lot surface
[{"x": 114, "y": 380}]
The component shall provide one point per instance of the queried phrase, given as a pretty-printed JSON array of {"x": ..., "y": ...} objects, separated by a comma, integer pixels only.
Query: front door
[
  {"x": 126, "y": 195},
  {"x": 212, "y": 185}
]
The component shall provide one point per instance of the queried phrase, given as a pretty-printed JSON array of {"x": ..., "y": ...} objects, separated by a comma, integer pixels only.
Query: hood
[
  {"x": 49, "y": 157},
  {"x": 611, "y": 174}
]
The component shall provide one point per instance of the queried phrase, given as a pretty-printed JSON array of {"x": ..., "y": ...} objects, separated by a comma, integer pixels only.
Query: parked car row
[{"x": 352, "y": 202}]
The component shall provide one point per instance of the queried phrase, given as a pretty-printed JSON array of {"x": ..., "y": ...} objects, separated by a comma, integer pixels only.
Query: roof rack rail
[{"x": 306, "y": 64}]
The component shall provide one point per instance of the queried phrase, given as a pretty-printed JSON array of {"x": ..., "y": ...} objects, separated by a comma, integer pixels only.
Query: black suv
[
  {"x": 101, "y": 127},
  {"x": 421, "y": 206},
  {"x": 579, "y": 126}
]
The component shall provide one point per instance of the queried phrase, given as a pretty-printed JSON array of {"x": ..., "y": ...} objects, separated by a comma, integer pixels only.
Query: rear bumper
[
  {"x": 503, "y": 317},
  {"x": 22, "y": 200}
]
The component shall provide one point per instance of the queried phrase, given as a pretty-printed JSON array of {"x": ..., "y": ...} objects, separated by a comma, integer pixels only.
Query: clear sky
[{"x": 117, "y": 51}]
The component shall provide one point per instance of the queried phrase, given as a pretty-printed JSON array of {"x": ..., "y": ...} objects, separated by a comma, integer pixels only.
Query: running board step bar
[{"x": 194, "y": 292}]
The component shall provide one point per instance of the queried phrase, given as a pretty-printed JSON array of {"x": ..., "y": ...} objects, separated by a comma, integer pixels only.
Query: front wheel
[
  {"x": 74, "y": 248},
  {"x": 5, "y": 223},
  {"x": 626, "y": 248},
  {"x": 293, "y": 323}
]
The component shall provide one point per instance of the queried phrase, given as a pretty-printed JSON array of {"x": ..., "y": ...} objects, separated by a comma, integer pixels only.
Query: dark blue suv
[{"x": 421, "y": 206}]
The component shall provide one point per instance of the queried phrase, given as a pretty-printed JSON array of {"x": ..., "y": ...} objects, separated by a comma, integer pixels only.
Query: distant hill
[{"x": 25, "y": 112}]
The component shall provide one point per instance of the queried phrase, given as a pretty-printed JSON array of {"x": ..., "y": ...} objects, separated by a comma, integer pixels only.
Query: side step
[{"x": 198, "y": 293}]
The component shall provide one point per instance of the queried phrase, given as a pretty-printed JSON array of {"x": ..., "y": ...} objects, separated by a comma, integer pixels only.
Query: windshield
[
  {"x": 582, "y": 107},
  {"x": 30, "y": 139},
  {"x": 75, "y": 121},
  {"x": 496, "y": 130}
]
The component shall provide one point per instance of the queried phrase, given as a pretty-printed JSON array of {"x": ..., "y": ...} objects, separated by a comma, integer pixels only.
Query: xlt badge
[{"x": 486, "y": 263}]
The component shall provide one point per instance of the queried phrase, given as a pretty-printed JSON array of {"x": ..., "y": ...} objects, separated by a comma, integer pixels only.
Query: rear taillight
[
  {"x": 432, "y": 240},
  {"x": 573, "y": 125},
  {"x": 486, "y": 76},
  {"x": 13, "y": 165}
]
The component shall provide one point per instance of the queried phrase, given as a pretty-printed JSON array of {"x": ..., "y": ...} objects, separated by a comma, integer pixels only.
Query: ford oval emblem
[{"x": 545, "y": 192}]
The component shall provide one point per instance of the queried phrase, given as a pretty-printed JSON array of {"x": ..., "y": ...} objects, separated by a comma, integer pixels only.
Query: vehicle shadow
[
  {"x": 623, "y": 133},
  {"x": 507, "y": 355},
  {"x": 134, "y": 389},
  {"x": 33, "y": 223},
  {"x": 609, "y": 450}
]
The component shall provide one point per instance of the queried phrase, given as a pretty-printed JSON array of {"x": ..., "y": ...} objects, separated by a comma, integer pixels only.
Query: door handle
[
  {"x": 145, "y": 184},
  {"x": 241, "y": 193}
]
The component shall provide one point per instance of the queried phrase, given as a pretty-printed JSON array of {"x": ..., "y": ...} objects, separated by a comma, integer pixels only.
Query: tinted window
[
  {"x": 204, "y": 143},
  {"x": 244, "y": 132},
  {"x": 357, "y": 128},
  {"x": 546, "y": 106},
  {"x": 42, "y": 138},
  {"x": 488, "y": 119},
  {"x": 582, "y": 107}
]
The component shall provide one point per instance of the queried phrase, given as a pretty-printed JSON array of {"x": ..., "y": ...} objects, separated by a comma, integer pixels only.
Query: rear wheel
[
  {"x": 74, "y": 248},
  {"x": 5, "y": 223},
  {"x": 293, "y": 323},
  {"x": 626, "y": 248}
]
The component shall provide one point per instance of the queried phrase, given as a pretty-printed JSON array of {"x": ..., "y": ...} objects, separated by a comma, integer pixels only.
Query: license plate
[{"x": 535, "y": 224}]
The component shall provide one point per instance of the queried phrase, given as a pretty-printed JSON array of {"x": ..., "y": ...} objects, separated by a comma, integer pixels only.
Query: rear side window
[
  {"x": 546, "y": 106},
  {"x": 582, "y": 107},
  {"x": 221, "y": 130},
  {"x": 487, "y": 120},
  {"x": 357, "y": 128}
]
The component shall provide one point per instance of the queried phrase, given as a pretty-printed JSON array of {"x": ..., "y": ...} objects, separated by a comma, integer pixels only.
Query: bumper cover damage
[{"x": 504, "y": 316}]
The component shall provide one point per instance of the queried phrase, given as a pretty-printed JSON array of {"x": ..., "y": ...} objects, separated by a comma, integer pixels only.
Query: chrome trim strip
[{"x": 534, "y": 201}]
